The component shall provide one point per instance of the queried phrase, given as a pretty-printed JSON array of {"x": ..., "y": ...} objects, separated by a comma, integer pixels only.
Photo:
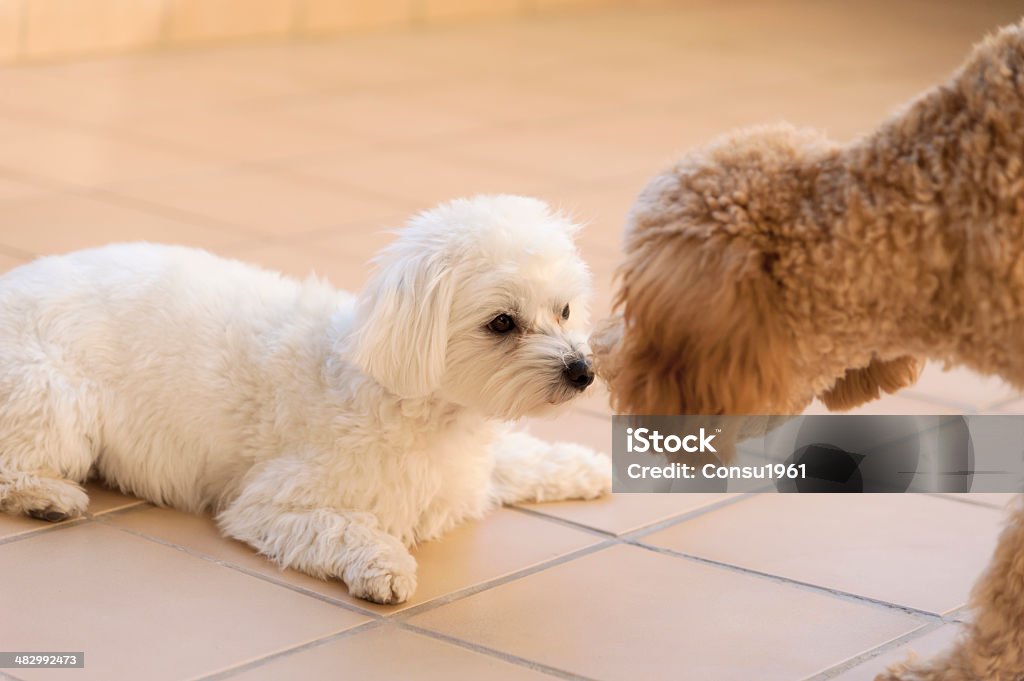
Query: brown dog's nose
[{"x": 580, "y": 373}]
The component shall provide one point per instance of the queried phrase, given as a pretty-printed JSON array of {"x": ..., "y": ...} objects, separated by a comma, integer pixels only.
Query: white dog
[{"x": 328, "y": 431}]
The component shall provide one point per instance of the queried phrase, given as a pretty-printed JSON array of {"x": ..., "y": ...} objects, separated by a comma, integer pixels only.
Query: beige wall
[{"x": 32, "y": 30}]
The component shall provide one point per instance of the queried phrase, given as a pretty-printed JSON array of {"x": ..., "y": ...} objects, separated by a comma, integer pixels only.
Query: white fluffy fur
[{"x": 328, "y": 431}]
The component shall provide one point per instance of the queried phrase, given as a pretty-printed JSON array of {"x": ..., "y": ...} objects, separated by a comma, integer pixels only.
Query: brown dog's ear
[
  {"x": 862, "y": 385},
  {"x": 701, "y": 333}
]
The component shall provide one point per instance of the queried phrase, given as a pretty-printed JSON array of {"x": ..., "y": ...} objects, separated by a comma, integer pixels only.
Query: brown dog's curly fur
[{"x": 774, "y": 266}]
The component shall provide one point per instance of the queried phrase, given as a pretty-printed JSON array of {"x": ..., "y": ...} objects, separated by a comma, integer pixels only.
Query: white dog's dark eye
[
  {"x": 565, "y": 312},
  {"x": 502, "y": 324}
]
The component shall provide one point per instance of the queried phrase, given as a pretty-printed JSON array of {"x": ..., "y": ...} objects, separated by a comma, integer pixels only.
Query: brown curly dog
[{"x": 774, "y": 266}]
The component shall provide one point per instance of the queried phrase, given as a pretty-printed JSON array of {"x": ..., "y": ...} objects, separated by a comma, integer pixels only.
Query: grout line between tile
[
  {"x": 39, "y": 182},
  {"x": 417, "y": 609},
  {"x": 507, "y": 657},
  {"x": 299, "y": 239},
  {"x": 967, "y": 409},
  {"x": 875, "y": 652},
  {"x": 126, "y": 509},
  {"x": 999, "y": 404},
  {"x": 118, "y": 510},
  {"x": 970, "y": 502},
  {"x": 610, "y": 540},
  {"x": 246, "y": 571},
  {"x": 16, "y": 253},
  {"x": 572, "y": 524},
  {"x": 961, "y": 615},
  {"x": 377, "y": 618},
  {"x": 109, "y": 195},
  {"x": 807, "y": 586},
  {"x": 288, "y": 652},
  {"x": 247, "y": 238},
  {"x": 636, "y": 531},
  {"x": 315, "y": 182},
  {"x": 281, "y": 167},
  {"x": 104, "y": 194},
  {"x": 690, "y": 515},
  {"x": 499, "y": 581},
  {"x": 46, "y": 529},
  {"x": 47, "y": 121}
]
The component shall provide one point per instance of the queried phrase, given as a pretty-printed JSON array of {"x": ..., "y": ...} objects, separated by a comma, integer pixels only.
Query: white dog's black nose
[{"x": 580, "y": 373}]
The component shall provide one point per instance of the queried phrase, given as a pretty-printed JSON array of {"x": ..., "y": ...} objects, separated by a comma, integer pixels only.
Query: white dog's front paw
[
  {"x": 387, "y": 578},
  {"x": 595, "y": 478},
  {"x": 582, "y": 473}
]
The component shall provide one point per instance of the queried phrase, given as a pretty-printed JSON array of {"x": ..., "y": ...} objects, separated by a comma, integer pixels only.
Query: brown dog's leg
[
  {"x": 992, "y": 648},
  {"x": 863, "y": 385}
]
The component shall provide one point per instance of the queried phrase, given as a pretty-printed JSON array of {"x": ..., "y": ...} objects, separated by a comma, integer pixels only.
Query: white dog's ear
[{"x": 402, "y": 321}]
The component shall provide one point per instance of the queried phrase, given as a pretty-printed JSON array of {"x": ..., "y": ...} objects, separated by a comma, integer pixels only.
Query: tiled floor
[{"x": 299, "y": 158}]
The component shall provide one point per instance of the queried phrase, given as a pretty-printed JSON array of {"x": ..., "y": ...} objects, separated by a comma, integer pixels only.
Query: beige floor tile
[
  {"x": 67, "y": 223},
  {"x": 196, "y": 20},
  {"x": 10, "y": 29},
  {"x": 962, "y": 387},
  {"x": 115, "y": 95},
  {"x": 627, "y": 613},
  {"x": 139, "y": 609},
  {"x": 842, "y": 108},
  {"x": 8, "y": 262},
  {"x": 279, "y": 74},
  {"x": 15, "y": 525},
  {"x": 342, "y": 271},
  {"x": 83, "y": 158},
  {"x": 586, "y": 152},
  {"x": 498, "y": 101},
  {"x": 924, "y": 646},
  {"x": 379, "y": 117},
  {"x": 594, "y": 401},
  {"x": 260, "y": 203},
  {"x": 883, "y": 546},
  {"x": 330, "y": 16},
  {"x": 61, "y": 27},
  {"x": 603, "y": 293},
  {"x": 994, "y": 499},
  {"x": 621, "y": 513},
  {"x": 441, "y": 10},
  {"x": 388, "y": 653},
  {"x": 419, "y": 178},
  {"x": 1014, "y": 407},
  {"x": 14, "y": 189},
  {"x": 67, "y": 94},
  {"x": 342, "y": 255},
  {"x": 572, "y": 425},
  {"x": 359, "y": 243},
  {"x": 603, "y": 210},
  {"x": 616, "y": 514},
  {"x": 504, "y": 542},
  {"x": 234, "y": 134},
  {"x": 101, "y": 500},
  {"x": 560, "y": 5},
  {"x": 897, "y": 404},
  {"x": 500, "y": 544}
]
